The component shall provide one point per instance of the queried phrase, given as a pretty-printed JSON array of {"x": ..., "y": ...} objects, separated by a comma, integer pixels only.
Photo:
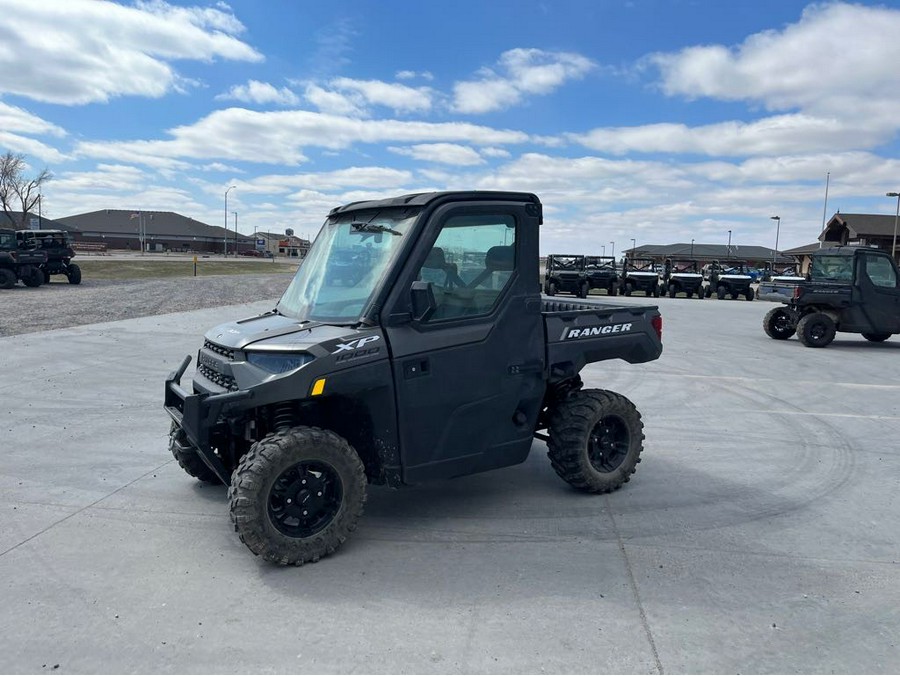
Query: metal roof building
[{"x": 157, "y": 230}]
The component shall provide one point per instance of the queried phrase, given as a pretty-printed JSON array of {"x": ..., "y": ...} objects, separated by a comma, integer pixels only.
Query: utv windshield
[
  {"x": 838, "y": 268},
  {"x": 345, "y": 265}
]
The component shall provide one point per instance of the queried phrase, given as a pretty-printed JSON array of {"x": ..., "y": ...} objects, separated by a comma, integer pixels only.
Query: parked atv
[
  {"x": 639, "y": 274},
  {"x": 18, "y": 263},
  {"x": 57, "y": 245},
  {"x": 730, "y": 278},
  {"x": 850, "y": 289},
  {"x": 413, "y": 373},
  {"x": 682, "y": 275},
  {"x": 565, "y": 274}
]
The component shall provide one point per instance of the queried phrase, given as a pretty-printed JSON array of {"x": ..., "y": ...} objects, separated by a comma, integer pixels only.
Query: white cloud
[
  {"x": 348, "y": 96},
  {"x": 412, "y": 75},
  {"x": 29, "y": 146},
  {"x": 260, "y": 92},
  {"x": 519, "y": 73},
  {"x": 834, "y": 57},
  {"x": 443, "y": 153},
  {"x": 782, "y": 134},
  {"x": 82, "y": 51},
  {"x": 279, "y": 137},
  {"x": 17, "y": 119}
]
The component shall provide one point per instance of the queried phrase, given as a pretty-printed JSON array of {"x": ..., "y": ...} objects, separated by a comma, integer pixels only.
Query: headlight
[{"x": 279, "y": 362}]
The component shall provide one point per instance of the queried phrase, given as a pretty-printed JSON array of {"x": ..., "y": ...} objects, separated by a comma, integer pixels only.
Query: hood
[{"x": 276, "y": 332}]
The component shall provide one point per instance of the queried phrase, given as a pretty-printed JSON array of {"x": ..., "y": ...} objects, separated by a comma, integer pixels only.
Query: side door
[
  {"x": 878, "y": 283},
  {"x": 468, "y": 378}
]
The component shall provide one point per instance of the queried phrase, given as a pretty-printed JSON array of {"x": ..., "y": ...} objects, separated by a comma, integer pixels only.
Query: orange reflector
[{"x": 318, "y": 387}]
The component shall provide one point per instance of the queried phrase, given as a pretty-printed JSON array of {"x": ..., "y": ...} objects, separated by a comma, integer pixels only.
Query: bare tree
[{"x": 18, "y": 193}]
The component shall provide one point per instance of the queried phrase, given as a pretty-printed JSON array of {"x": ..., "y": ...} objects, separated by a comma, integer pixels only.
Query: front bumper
[{"x": 197, "y": 414}]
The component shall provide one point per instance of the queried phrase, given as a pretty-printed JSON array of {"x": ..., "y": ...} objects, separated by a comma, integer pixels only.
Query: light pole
[
  {"x": 777, "y": 220},
  {"x": 613, "y": 244},
  {"x": 40, "y": 218},
  {"x": 633, "y": 247},
  {"x": 603, "y": 246},
  {"x": 896, "y": 215},
  {"x": 728, "y": 250},
  {"x": 235, "y": 234},
  {"x": 692, "y": 248},
  {"x": 226, "y": 217}
]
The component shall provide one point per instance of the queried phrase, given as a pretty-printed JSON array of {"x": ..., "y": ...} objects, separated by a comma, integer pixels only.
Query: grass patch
[{"x": 148, "y": 269}]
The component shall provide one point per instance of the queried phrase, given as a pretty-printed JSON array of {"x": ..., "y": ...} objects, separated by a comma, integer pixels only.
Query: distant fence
[{"x": 90, "y": 247}]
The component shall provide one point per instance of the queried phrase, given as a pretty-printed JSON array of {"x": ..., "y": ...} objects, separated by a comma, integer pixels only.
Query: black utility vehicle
[
  {"x": 849, "y": 289},
  {"x": 682, "y": 275},
  {"x": 601, "y": 273},
  {"x": 57, "y": 244},
  {"x": 639, "y": 274},
  {"x": 730, "y": 278},
  {"x": 422, "y": 369},
  {"x": 565, "y": 274},
  {"x": 19, "y": 263}
]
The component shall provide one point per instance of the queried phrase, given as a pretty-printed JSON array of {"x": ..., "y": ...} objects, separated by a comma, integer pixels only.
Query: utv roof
[
  {"x": 422, "y": 199},
  {"x": 842, "y": 250}
]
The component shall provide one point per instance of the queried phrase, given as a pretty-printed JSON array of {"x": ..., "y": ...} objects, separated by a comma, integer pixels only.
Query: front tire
[
  {"x": 672, "y": 290},
  {"x": 33, "y": 277},
  {"x": 297, "y": 495},
  {"x": 73, "y": 272},
  {"x": 720, "y": 293},
  {"x": 596, "y": 439},
  {"x": 551, "y": 288},
  {"x": 629, "y": 287},
  {"x": 778, "y": 324},
  {"x": 816, "y": 329},
  {"x": 188, "y": 458}
]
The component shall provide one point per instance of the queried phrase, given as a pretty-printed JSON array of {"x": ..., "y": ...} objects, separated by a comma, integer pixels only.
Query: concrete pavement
[{"x": 760, "y": 533}]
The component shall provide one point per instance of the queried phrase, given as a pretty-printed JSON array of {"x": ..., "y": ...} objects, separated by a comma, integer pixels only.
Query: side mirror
[{"x": 423, "y": 303}]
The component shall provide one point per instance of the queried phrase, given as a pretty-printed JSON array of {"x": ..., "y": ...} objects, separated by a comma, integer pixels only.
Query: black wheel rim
[
  {"x": 608, "y": 444},
  {"x": 781, "y": 323},
  {"x": 305, "y": 498},
  {"x": 817, "y": 331}
]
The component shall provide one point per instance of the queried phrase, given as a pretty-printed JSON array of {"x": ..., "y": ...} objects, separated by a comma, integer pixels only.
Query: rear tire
[
  {"x": 297, "y": 495},
  {"x": 629, "y": 287},
  {"x": 778, "y": 325},
  {"x": 749, "y": 294},
  {"x": 672, "y": 291},
  {"x": 583, "y": 290},
  {"x": 7, "y": 278},
  {"x": 720, "y": 293},
  {"x": 876, "y": 337},
  {"x": 816, "y": 329},
  {"x": 596, "y": 439}
]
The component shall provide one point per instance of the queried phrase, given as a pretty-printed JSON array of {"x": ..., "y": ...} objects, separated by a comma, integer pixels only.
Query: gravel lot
[{"x": 60, "y": 305}]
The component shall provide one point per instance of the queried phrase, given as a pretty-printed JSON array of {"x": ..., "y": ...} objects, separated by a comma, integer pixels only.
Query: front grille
[
  {"x": 228, "y": 353},
  {"x": 212, "y": 370},
  {"x": 219, "y": 379}
]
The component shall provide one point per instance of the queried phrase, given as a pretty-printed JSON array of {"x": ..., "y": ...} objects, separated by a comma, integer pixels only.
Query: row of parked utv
[
  {"x": 578, "y": 275},
  {"x": 33, "y": 256}
]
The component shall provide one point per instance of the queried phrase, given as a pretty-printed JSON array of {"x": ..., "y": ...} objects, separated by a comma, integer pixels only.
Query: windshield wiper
[{"x": 372, "y": 227}]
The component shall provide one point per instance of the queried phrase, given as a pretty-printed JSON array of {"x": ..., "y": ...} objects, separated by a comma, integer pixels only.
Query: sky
[{"x": 652, "y": 120}]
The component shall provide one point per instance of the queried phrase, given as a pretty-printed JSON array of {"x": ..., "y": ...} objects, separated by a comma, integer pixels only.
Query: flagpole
[{"x": 825, "y": 207}]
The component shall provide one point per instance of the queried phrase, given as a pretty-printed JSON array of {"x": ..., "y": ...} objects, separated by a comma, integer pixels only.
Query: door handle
[{"x": 416, "y": 368}]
